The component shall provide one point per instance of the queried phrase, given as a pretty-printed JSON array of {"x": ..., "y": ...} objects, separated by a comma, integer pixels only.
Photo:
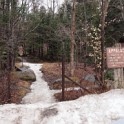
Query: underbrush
[{"x": 52, "y": 72}]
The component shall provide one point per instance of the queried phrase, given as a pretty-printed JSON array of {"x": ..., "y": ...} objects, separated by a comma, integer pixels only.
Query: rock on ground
[{"x": 27, "y": 75}]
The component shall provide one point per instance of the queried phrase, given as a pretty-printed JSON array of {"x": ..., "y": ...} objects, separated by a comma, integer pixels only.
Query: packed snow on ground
[
  {"x": 90, "y": 109},
  {"x": 39, "y": 89},
  {"x": 41, "y": 108}
]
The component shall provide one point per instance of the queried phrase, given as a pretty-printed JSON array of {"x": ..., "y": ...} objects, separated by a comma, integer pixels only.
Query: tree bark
[
  {"x": 105, "y": 4},
  {"x": 73, "y": 38},
  {"x": 122, "y": 9}
]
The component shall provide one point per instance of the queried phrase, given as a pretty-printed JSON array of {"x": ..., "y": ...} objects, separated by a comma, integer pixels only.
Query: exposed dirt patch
[
  {"x": 74, "y": 94},
  {"x": 20, "y": 85},
  {"x": 19, "y": 89},
  {"x": 52, "y": 72}
]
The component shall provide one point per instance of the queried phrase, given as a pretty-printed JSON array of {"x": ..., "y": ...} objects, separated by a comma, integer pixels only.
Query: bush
[{"x": 109, "y": 75}]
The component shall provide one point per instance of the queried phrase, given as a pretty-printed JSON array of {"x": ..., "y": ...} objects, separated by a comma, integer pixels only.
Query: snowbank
[{"x": 90, "y": 109}]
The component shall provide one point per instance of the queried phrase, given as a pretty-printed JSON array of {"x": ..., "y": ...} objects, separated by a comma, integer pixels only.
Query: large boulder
[
  {"x": 90, "y": 78},
  {"x": 26, "y": 74}
]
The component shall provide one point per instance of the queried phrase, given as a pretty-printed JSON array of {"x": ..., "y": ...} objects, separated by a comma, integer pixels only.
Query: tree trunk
[
  {"x": 103, "y": 16},
  {"x": 122, "y": 9},
  {"x": 65, "y": 8},
  {"x": 73, "y": 38},
  {"x": 85, "y": 39},
  {"x": 9, "y": 63}
]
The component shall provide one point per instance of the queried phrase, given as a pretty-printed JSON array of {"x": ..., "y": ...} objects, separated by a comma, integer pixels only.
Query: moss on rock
[{"x": 26, "y": 75}]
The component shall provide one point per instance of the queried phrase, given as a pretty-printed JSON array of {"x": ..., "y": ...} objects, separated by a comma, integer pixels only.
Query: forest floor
[
  {"x": 52, "y": 74},
  {"x": 40, "y": 107}
]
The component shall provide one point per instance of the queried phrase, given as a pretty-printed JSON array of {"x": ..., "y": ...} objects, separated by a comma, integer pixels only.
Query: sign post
[{"x": 115, "y": 60}]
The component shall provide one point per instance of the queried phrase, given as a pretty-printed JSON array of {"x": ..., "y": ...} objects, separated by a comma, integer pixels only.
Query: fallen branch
[{"x": 77, "y": 84}]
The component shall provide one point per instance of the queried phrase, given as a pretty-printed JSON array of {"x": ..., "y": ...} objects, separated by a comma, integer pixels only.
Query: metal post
[
  {"x": 63, "y": 73},
  {"x": 22, "y": 60}
]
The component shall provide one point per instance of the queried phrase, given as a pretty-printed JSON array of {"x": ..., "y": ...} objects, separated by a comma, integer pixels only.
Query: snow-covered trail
[
  {"x": 40, "y": 91},
  {"x": 40, "y": 107}
]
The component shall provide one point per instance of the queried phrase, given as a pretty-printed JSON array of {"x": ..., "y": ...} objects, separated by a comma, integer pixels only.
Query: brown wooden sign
[{"x": 115, "y": 57}]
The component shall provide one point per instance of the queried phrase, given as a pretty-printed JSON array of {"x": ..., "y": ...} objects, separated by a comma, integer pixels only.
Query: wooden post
[{"x": 119, "y": 74}]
